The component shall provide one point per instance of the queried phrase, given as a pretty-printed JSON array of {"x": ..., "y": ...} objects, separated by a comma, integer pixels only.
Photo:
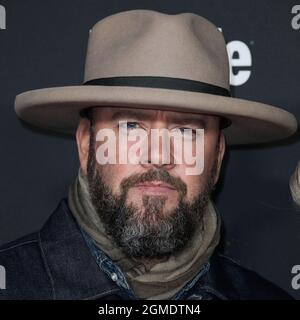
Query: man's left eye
[
  {"x": 189, "y": 132},
  {"x": 132, "y": 125}
]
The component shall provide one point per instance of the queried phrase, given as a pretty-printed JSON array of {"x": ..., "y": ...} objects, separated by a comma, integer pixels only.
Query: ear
[
  {"x": 221, "y": 152},
  {"x": 83, "y": 142}
]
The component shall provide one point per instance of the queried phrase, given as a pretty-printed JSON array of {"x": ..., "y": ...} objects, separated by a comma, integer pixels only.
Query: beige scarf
[{"x": 160, "y": 279}]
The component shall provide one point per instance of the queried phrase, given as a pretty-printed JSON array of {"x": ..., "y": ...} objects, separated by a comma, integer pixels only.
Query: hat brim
[{"x": 57, "y": 109}]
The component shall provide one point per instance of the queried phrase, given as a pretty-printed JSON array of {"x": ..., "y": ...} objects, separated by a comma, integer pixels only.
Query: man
[{"x": 144, "y": 228}]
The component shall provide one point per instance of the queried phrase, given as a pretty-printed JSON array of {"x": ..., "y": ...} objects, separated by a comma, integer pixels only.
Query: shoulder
[
  {"x": 240, "y": 283},
  {"x": 24, "y": 270},
  {"x": 14, "y": 254}
]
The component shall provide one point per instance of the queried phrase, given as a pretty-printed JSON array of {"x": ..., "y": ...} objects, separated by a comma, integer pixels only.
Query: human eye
[
  {"x": 129, "y": 126},
  {"x": 133, "y": 125},
  {"x": 188, "y": 133}
]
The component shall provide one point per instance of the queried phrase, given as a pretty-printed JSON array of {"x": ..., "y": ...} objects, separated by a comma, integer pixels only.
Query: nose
[
  {"x": 148, "y": 165},
  {"x": 159, "y": 154}
]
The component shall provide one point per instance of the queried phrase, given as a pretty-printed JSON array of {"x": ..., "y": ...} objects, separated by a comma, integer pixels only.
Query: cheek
[
  {"x": 113, "y": 174},
  {"x": 210, "y": 152},
  {"x": 193, "y": 182},
  {"x": 110, "y": 175},
  {"x": 193, "y": 187}
]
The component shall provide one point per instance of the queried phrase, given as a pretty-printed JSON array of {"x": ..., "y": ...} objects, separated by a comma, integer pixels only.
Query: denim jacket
[{"x": 60, "y": 261}]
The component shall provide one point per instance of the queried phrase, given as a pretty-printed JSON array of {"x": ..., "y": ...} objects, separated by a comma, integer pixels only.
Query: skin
[{"x": 113, "y": 174}]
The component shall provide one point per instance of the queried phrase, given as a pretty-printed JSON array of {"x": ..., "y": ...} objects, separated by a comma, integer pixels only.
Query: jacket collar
[
  {"x": 72, "y": 269},
  {"x": 74, "y": 272}
]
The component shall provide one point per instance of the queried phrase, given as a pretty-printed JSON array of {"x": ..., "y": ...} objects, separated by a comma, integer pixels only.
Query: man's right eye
[{"x": 129, "y": 125}]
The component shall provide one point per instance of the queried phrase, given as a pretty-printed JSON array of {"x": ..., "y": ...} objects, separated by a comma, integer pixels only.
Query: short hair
[{"x": 86, "y": 113}]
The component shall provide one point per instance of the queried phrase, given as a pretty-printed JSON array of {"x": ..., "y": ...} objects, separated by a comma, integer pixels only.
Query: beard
[{"x": 146, "y": 233}]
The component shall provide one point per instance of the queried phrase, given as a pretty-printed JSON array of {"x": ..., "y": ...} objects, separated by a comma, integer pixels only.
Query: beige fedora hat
[{"x": 148, "y": 59}]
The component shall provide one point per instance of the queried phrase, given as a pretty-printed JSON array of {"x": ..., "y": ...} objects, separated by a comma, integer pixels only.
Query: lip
[
  {"x": 155, "y": 184},
  {"x": 155, "y": 187}
]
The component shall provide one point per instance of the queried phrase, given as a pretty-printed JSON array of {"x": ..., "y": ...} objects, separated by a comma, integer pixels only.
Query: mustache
[{"x": 154, "y": 175}]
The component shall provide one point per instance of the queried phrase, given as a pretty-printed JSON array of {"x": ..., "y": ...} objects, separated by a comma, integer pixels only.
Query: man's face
[{"x": 150, "y": 210}]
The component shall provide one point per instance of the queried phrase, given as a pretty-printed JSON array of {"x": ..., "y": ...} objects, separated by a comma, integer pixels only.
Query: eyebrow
[
  {"x": 143, "y": 116},
  {"x": 130, "y": 114}
]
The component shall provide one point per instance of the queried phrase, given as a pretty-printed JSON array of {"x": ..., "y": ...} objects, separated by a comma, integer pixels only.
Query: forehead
[{"x": 117, "y": 113}]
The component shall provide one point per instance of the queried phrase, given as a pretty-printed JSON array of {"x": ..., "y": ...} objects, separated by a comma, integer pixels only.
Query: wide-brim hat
[{"x": 148, "y": 59}]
